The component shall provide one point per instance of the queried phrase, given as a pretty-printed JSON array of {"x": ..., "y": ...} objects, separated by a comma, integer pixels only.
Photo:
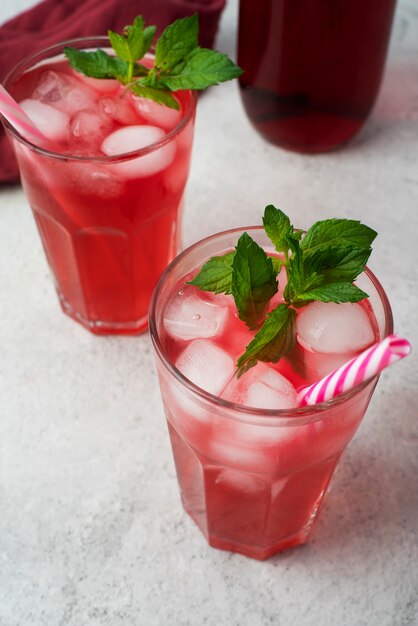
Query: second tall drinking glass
[
  {"x": 109, "y": 218},
  {"x": 253, "y": 479}
]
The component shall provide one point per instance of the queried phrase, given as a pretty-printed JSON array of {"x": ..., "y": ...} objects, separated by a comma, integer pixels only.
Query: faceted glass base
[
  {"x": 251, "y": 513},
  {"x": 261, "y": 554},
  {"x": 98, "y": 327}
]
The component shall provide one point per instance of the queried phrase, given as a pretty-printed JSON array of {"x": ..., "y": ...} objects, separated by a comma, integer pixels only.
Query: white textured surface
[{"x": 91, "y": 528}]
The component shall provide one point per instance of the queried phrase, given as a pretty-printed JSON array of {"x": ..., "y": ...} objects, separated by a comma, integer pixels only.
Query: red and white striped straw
[
  {"x": 364, "y": 366},
  {"x": 14, "y": 114}
]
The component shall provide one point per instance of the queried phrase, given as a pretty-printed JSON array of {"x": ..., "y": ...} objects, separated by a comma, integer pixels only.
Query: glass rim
[
  {"x": 306, "y": 413},
  {"x": 31, "y": 60}
]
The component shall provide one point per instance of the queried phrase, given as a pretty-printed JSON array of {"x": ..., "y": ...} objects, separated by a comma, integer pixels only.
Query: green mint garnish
[
  {"x": 177, "y": 42},
  {"x": 273, "y": 340},
  {"x": 97, "y": 64},
  {"x": 216, "y": 274},
  {"x": 337, "y": 233},
  {"x": 279, "y": 230},
  {"x": 253, "y": 281},
  {"x": 320, "y": 265},
  {"x": 180, "y": 63}
]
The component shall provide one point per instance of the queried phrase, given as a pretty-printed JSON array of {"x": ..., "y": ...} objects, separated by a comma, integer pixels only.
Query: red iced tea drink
[
  {"x": 107, "y": 191},
  {"x": 312, "y": 67},
  {"x": 252, "y": 467}
]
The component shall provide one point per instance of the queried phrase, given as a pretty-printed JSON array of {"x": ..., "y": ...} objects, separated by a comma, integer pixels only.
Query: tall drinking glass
[
  {"x": 109, "y": 223},
  {"x": 252, "y": 479}
]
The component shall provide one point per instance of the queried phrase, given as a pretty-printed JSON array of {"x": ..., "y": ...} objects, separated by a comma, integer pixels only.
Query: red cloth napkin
[{"x": 52, "y": 21}]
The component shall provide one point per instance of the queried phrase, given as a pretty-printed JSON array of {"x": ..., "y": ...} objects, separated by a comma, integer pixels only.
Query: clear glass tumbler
[
  {"x": 253, "y": 480},
  {"x": 109, "y": 224}
]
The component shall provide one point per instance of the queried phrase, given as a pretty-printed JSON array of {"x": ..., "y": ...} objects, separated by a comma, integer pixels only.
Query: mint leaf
[
  {"x": 336, "y": 264},
  {"x": 329, "y": 279},
  {"x": 327, "y": 261},
  {"x": 96, "y": 64},
  {"x": 120, "y": 46},
  {"x": 148, "y": 38},
  {"x": 300, "y": 279},
  {"x": 215, "y": 275},
  {"x": 253, "y": 280},
  {"x": 337, "y": 233},
  {"x": 157, "y": 95},
  {"x": 176, "y": 42},
  {"x": 279, "y": 229},
  {"x": 135, "y": 38},
  {"x": 331, "y": 292},
  {"x": 274, "y": 339},
  {"x": 201, "y": 68}
]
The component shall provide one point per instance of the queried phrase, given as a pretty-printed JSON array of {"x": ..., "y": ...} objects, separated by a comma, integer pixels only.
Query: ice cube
[
  {"x": 51, "y": 122},
  {"x": 210, "y": 368},
  {"x": 251, "y": 445},
  {"x": 131, "y": 138},
  {"x": 119, "y": 108},
  {"x": 89, "y": 127},
  {"x": 236, "y": 480},
  {"x": 51, "y": 87},
  {"x": 317, "y": 365},
  {"x": 157, "y": 114},
  {"x": 232, "y": 453},
  {"x": 189, "y": 317},
  {"x": 262, "y": 388},
  {"x": 93, "y": 180},
  {"x": 63, "y": 92},
  {"x": 185, "y": 411},
  {"x": 333, "y": 328},
  {"x": 206, "y": 365},
  {"x": 103, "y": 85},
  {"x": 272, "y": 391},
  {"x": 256, "y": 447}
]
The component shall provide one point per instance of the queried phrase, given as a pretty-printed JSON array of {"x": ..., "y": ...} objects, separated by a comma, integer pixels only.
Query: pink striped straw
[
  {"x": 364, "y": 366},
  {"x": 14, "y": 114}
]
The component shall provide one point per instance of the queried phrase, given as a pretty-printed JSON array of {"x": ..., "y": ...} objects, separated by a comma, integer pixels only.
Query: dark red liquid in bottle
[{"x": 312, "y": 67}]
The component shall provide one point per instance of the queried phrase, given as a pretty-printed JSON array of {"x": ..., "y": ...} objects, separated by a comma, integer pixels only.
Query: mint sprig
[
  {"x": 320, "y": 265},
  {"x": 180, "y": 63}
]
